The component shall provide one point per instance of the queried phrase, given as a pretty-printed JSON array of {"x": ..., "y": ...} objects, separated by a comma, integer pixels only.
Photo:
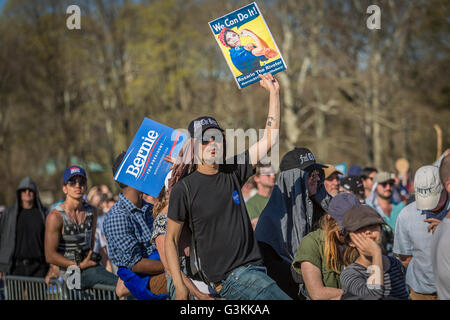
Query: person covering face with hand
[{"x": 369, "y": 274}]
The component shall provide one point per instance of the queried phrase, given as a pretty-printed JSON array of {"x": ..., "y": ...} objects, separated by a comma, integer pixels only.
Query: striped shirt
[{"x": 354, "y": 282}]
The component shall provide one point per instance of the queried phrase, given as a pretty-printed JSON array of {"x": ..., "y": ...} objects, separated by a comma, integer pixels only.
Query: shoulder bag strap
[{"x": 195, "y": 267}]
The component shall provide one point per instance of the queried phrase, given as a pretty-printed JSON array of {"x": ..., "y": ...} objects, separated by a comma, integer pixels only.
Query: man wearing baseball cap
[
  {"x": 381, "y": 198},
  {"x": 331, "y": 182},
  {"x": 222, "y": 231},
  {"x": 297, "y": 203},
  {"x": 382, "y": 201},
  {"x": 70, "y": 233},
  {"x": 354, "y": 185},
  {"x": 414, "y": 232}
]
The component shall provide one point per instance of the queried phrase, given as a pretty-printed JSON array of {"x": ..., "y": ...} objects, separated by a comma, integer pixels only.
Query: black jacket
[{"x": 8, "y": 222}]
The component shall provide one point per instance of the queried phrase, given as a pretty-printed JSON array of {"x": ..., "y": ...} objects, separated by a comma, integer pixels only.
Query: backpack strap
[{"x": 193, "y": 263}]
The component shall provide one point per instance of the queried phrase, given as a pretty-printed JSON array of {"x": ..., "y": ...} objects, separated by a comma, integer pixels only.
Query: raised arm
[{"x": 272, "y": 130}]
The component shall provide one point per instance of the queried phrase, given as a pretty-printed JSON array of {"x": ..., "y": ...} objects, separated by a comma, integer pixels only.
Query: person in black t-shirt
[
  {"x": 210, "y": 193},
  {"x": 22, "y": 235}
]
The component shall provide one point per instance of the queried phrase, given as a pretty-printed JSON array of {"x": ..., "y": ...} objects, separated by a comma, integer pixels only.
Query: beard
[{"x": 384, "y": 196}]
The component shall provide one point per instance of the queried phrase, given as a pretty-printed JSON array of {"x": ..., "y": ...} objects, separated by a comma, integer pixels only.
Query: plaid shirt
[{"x": 128, "y": 232}]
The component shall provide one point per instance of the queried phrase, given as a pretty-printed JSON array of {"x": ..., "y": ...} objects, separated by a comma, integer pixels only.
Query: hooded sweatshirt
[
  {"x": 372, "y": 201},
  {"x": 290, "y": 213},
  {"x": 8, "y": 224}
]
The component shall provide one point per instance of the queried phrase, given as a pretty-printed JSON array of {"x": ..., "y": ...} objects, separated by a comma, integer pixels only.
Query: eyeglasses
[{"x": 80, "y": 181}]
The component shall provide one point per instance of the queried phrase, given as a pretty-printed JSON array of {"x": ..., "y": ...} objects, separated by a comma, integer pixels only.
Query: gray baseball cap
[
  {"x": 382, "y": 177},
  {"x": 428, "y": 187},
  {"x": 340, "y": 204}
]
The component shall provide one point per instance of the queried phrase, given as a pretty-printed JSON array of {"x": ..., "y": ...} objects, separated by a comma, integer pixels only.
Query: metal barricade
[{"x": 29, "y": 288}]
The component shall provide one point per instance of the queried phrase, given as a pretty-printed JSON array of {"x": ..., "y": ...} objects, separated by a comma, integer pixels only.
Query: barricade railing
[{"x": 30, "y": 288}]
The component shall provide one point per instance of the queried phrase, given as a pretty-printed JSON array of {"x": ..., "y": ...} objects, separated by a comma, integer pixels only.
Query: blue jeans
[
  {"x": 251, "y": 283},
  {"x": 97, "y": 275},
  {"x": 170, "y": 287}
]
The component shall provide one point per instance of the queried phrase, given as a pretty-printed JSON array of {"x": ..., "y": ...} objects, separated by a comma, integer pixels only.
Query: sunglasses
[
  {"x": 207, "y": 139},
  {"x": 80, "y": 181},
  {"x": 385, "y": 184}
]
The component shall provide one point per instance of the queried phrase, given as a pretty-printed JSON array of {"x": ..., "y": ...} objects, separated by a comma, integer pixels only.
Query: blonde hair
[{"x": 332, "y": 255}]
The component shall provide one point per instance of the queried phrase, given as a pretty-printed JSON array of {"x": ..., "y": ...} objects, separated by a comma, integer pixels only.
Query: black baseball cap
[
  {"x": 360, "y": 216},
  {"x": 353, "y": 184},
  {"x": 205, "y": 122},
  {"x": 301, "y": 158}
]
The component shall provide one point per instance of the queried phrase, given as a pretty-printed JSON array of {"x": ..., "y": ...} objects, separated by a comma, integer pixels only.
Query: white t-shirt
[
  {"x": 100, "y": 240},
  {"x": 440, "y": 256}
]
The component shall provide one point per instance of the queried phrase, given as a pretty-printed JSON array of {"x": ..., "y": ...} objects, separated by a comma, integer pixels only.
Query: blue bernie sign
[{"x": 143, "y": 166}]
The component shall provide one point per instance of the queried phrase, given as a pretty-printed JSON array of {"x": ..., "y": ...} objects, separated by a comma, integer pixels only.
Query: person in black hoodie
[{"x": 22, "y": 228}]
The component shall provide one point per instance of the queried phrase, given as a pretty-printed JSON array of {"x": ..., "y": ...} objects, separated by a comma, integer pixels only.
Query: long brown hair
[
  {"x": 350, "y": 253},
  {"x": 161, "y": 202},
  {"x": 332, "y": 255},
  {"x": 184, "y": 164}
]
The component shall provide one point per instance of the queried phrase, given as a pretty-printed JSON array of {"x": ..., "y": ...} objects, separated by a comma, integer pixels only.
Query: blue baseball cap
[{"x": 73, "y": 171}]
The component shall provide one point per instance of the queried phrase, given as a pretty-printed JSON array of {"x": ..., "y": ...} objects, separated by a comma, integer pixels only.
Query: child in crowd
[{"x": 369, "y": 274}]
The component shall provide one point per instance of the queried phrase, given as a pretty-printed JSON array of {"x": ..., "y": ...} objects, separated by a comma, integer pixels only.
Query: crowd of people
[{"x": 237, "y": 230}]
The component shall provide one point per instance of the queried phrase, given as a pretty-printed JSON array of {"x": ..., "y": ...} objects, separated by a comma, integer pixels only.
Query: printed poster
[
  {"x": 143, "y": 166},
  {"x": 247, "y": 45}
]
